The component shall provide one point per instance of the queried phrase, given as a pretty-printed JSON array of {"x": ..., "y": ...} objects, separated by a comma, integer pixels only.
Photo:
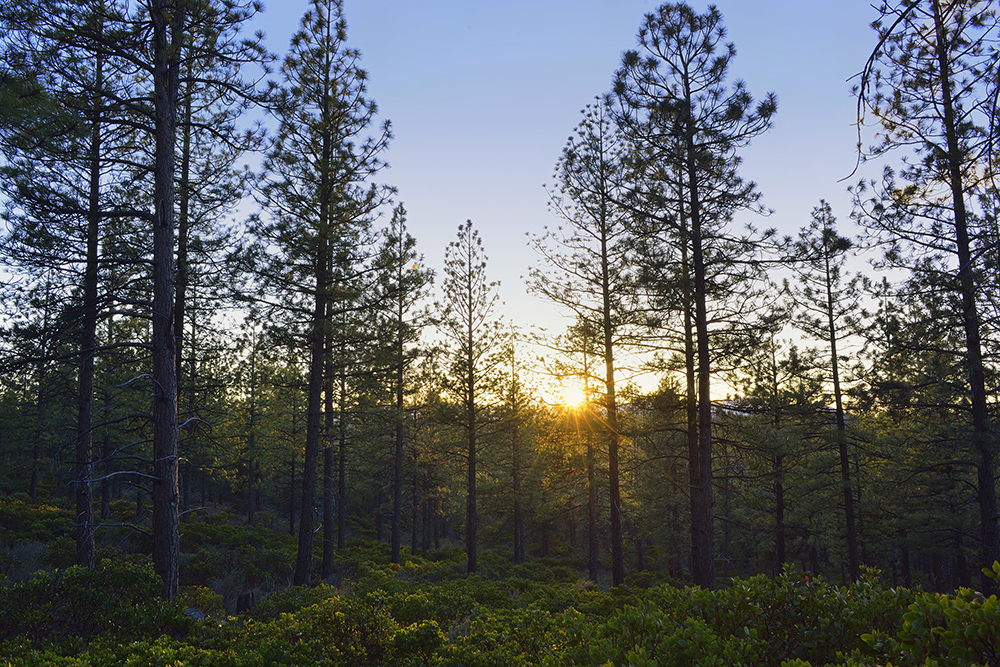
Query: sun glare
[{"x": 571, "y": 395}]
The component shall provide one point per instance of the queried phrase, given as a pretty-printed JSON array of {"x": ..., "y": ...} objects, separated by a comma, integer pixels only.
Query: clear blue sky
[{"x": 483, "y": 94}]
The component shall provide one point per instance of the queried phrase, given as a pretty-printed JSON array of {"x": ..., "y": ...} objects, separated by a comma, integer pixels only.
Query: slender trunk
[
  {"x": 470, "y": 509},
  {"x": 291, "y": 496},
  {"x": 983, "y": 445},
  {"x": 328, "y": 491},
  {"x": 181, "y": 281},
  {"x": 88, "y": 340},
  {"x": 779, "y": 511},
  {"x": 471, "y": 518},
  {"x": 611, "y": 411},
  {"x": 515, "y": 439},
  {"x": 106, "y": 466},
  {"x": 186, "y": 488},
  {"x": 252, "y": 436},
  {"x": 702, "y": 519},
  {"x": 778, "y": 464},
  {"x": 183, "y": 224},
  {"x": 397, "y": 457},
  {"x": 691, "y": 388},
  {"x": 168, "y": 21},
  {"x": 318, "y": 337},
  {"x": 593, "y": 538},
  {"x": 41, "y": 402},
  {"x": 329, "y": 503},
  {"x": 904, "y": 560},
  {"x": 853, "y": 563},
  {"x": 303, "y": 560},
  {"x": 516, "y": 474},
  {"x": 414, "y": 505},
  {"x": 426, "y": 527},
  {"x": 584, "y": 431},
  {"x": 342, "y": 466}
]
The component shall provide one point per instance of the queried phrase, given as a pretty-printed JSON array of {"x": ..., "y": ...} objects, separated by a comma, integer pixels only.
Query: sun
[{"x": 571, "y": 395}]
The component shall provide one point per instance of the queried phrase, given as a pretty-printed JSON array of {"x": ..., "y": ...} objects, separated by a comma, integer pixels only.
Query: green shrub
[
  {"x": 205, "y": 600},
  {"x": 218, "y": 546},
  {"x": 429, "y": 604},
  {"x": 61, "y": 552},
  {"x": 289, "y": 601},
  {"x": 417, "y": 642},
  {"x": 24, "y": 521},
  {"x": 939, "y": 629},
  {"x": 70, "y": 607},
  {"x": 515, "y": 637},
  {"x": 337, "y": 632}
]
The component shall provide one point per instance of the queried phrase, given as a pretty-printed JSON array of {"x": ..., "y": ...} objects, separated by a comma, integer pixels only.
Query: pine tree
[
  {"x": 827, "y": 305},
  {"x": 676, "y": 107},
  {"x": 319, "y": 206},
  {"x": 402, "y": 284},
  {"x": 591, "y": 275},
  {"x": 930, "y": 83},
  {"x": 474, "y": 334}
]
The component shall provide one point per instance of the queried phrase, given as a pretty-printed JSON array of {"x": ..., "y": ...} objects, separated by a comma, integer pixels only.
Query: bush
[
  {"x": 289, "y": 601},
  {"x": 939, "y": 629},
  {"x": 337, "y": 632},
  {"x": 71, "y": 607},
  {"x": 24, "y": 521},
  {"x": 516, "y": 637}
]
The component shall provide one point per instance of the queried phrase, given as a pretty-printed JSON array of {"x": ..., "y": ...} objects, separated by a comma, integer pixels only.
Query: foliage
[
  {"x": 939, "y": 629},
  {"x": 392, "y": 618},
  {"x": 70, "y": 607},
  {"x": 261, "y": 556},
  {"x": 289, "y": 601},
  {"x": 23, "y": 521}
]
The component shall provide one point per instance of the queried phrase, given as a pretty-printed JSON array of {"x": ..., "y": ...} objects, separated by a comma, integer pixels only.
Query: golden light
[{"x": 571, "y": 395}]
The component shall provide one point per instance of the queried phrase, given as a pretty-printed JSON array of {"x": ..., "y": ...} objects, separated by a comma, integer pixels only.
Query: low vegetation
[{"x": 427, "y": 611}]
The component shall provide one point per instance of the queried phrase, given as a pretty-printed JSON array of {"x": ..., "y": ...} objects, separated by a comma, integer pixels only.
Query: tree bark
[
  {"x": 845, "y": 462},
  {"x": 982, "y": 438},
  {"x": 397, "y": 456},
  {"x": 611, "y": 411},
  {"x": 168, "y": 19},
  {"x": 702, "y": 519},
  {"x": 303, "y": 559},
  {"x": 329, "y": 498},
  {"x": 88, "y": 338},
  {"x": 342, "y": 468}
]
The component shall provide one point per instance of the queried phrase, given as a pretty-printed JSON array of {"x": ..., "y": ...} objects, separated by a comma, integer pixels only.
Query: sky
[{"x": 482, "y": 96}]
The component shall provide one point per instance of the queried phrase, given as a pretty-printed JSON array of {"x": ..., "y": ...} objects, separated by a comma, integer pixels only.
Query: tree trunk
[
  {"x": 471, "y": 518},
  {"x": 518, "y": 519},
  {"x": 982, "y": 441},
  {"x": 853, "y": 563},
  {"x": 291, "y": 496},
  {"x": 414, "y": 507},
  {"x": 518, "y": 516},
  {"x": 702, "y": 513},
  {"x": 342, "y": 467},
  {"x": 88, "y": 339},
  {"x": 470, "y": 508},
  {"x": 329, "y": 497},
  {"x": 611, "y": 411},
  {"x": 183, "y": 224},
  {"x": 593, "y": 538},
  {"x": 303, "y": 560},
  {"x": 779, "y": 513},
  {"x": 397, "y": 455},
  {"x": 168, "y": 22}
]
